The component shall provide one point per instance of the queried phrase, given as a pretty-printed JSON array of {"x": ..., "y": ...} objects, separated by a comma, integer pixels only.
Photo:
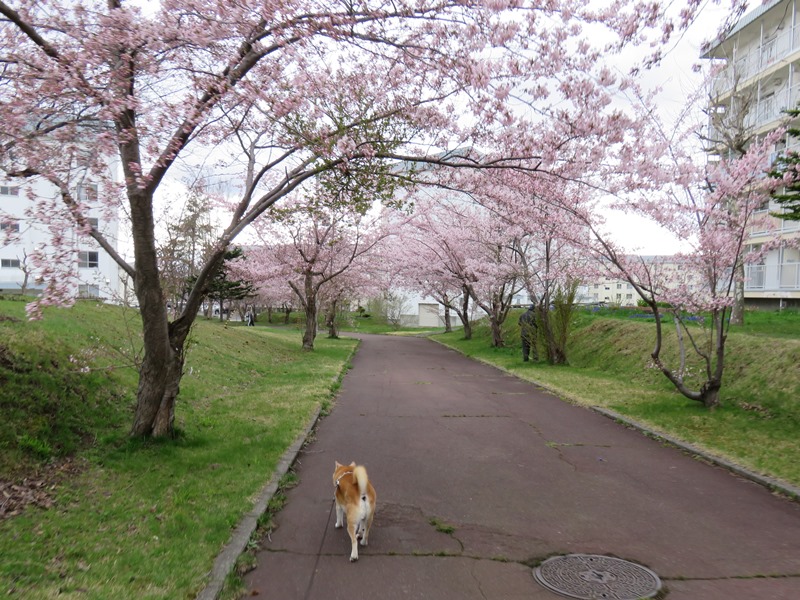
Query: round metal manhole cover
[{"x": 592, "y": 577}]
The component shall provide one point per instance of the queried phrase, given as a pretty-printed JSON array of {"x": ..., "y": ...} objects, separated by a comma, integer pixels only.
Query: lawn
[{"x": 135, "y": 519}]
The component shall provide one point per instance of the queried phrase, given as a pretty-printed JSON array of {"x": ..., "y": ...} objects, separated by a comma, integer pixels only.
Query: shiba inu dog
[{"x": 355, "y": 498}]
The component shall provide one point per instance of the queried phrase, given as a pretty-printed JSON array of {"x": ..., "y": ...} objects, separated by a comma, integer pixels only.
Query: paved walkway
[{"x": 520, "y": 476}]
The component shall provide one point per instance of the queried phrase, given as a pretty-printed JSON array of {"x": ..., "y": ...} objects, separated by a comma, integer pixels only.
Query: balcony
[
  {"x": 749, "y": 64},
  {"x": 766, "y": 225},
  {"x": 772, "y": 278}
]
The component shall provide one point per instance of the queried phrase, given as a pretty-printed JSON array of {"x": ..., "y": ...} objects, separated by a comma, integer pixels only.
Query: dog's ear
[
  {"x": 337, "y": 464},
  {"x": 353, "y": 464}
]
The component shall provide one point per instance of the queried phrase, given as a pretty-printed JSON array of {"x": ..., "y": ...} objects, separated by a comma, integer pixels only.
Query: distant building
[
  {"x": 760, "y": 79},
  {"x": 614, "y": 292},
  {"x": 98, "y": 276}
]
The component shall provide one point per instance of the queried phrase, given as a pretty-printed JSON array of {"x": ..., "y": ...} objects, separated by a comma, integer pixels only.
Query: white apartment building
[
  {"x": 98, "y": 276},
  {"x": 609, "y": 291},
  {"x": 760, "y": 79}
]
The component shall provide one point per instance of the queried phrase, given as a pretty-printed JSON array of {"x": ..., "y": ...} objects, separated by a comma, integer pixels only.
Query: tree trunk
[
  {"x": 467, "y": 329},
  {"x": 737, "y": 311},
  {"x": 545, "y": 330},
  {"x": 497, "y": 333},
  {"x": 709, "y": 394},
  {"x": 448, "y": 325},
  {"x": 464, "y": 314},
  {"x": 330, "y": 321},
  {"x": 164, "y": 423},
  {"x": 154, "y": 405},
  {"x": 310, "y": 301}
]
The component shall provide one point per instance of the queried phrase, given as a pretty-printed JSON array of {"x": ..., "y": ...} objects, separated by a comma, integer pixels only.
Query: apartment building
[
  {"x": 98, "y": 276},
  {"x": 609, "y": 291},
  {"x": 759, "y": 79}
]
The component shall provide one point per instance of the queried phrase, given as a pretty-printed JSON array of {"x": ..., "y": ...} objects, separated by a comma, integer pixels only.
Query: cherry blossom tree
[
  {"x": 546, "y": 247},
  {"x": 312, "y": 245},
  {"x": 424, "y": 259},
  {"x": 453, "y": 246},
  {"x": 712, "y": 207},
  {"x": 421, "y": 266},
  {"x": 270, "y": 295},
  {"x": 309, "y": 89}
]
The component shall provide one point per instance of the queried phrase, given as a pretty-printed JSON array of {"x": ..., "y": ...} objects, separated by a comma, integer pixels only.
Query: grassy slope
[
  {"x": 145, "y": 520},
  {"x": 758, "y": 424}
]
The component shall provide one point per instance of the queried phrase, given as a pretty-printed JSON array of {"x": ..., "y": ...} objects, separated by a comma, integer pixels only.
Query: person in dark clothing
[{"x": 528, "y": 332}]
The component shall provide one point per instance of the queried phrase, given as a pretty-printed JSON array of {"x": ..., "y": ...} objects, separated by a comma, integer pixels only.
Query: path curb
[{"x": 225, "y": 561}]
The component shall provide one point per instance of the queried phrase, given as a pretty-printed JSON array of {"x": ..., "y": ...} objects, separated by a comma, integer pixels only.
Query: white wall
[{"x": 101, "y": 279}]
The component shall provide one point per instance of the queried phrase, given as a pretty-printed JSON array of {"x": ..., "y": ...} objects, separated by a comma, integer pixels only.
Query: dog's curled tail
[{"x": 360, "y": 475}]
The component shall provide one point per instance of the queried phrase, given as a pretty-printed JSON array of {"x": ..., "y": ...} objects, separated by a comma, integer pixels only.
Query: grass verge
[
  {"x": 142, "y": 519},
  {"x": 757, "y": 426}
]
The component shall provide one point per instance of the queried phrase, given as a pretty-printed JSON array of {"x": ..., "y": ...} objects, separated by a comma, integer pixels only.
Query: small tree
[
  {"x": 786, "y": 170},
  {"x": 187, "y": 241},
  {"x": 559, "y": 322},
  {"x": 222, "y": 287}
]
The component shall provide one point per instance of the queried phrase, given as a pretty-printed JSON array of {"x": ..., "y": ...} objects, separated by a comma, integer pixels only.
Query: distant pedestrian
[
  {"x": 250, "y": 318},
  {"x": 528, "y": 332}
]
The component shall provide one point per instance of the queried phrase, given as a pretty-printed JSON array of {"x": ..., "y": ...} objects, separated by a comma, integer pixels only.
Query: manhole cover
[{"x": 591, "y": 577}]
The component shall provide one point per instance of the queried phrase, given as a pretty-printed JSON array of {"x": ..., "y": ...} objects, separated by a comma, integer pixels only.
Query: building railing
[
  {"x": 771, "y": 226},
  {"x": 750, "y": 63},
  {"x": 766, "y": 110},
  {"x": 778, "y": 278}
]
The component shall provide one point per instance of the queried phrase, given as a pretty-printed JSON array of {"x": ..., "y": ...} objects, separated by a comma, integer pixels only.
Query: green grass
[
  {"x": 371, "y": 324},
  {"x": 441, "y": 526},
  {"x": 143, "y": 519},
  {"x": 758, "y": 424}
]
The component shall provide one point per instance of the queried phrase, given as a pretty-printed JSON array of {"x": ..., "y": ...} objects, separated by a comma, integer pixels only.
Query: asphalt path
[{"x": 480, "y": 475}]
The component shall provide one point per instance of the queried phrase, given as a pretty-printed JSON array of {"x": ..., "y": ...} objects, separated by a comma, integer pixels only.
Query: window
[
  {"x": 9, "y": 226},
  {"x": 619, "y": 286},
  {"x": 92, "y": 222},
  {"x": 629, "y": 296},
  {"x": 88, "y": 260},
  {"x": 88, "y": 291},
  {"x": 87, "y": 191},
  {"x": 9, "y": 263},
  {"x": 9, "y": 190}
]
